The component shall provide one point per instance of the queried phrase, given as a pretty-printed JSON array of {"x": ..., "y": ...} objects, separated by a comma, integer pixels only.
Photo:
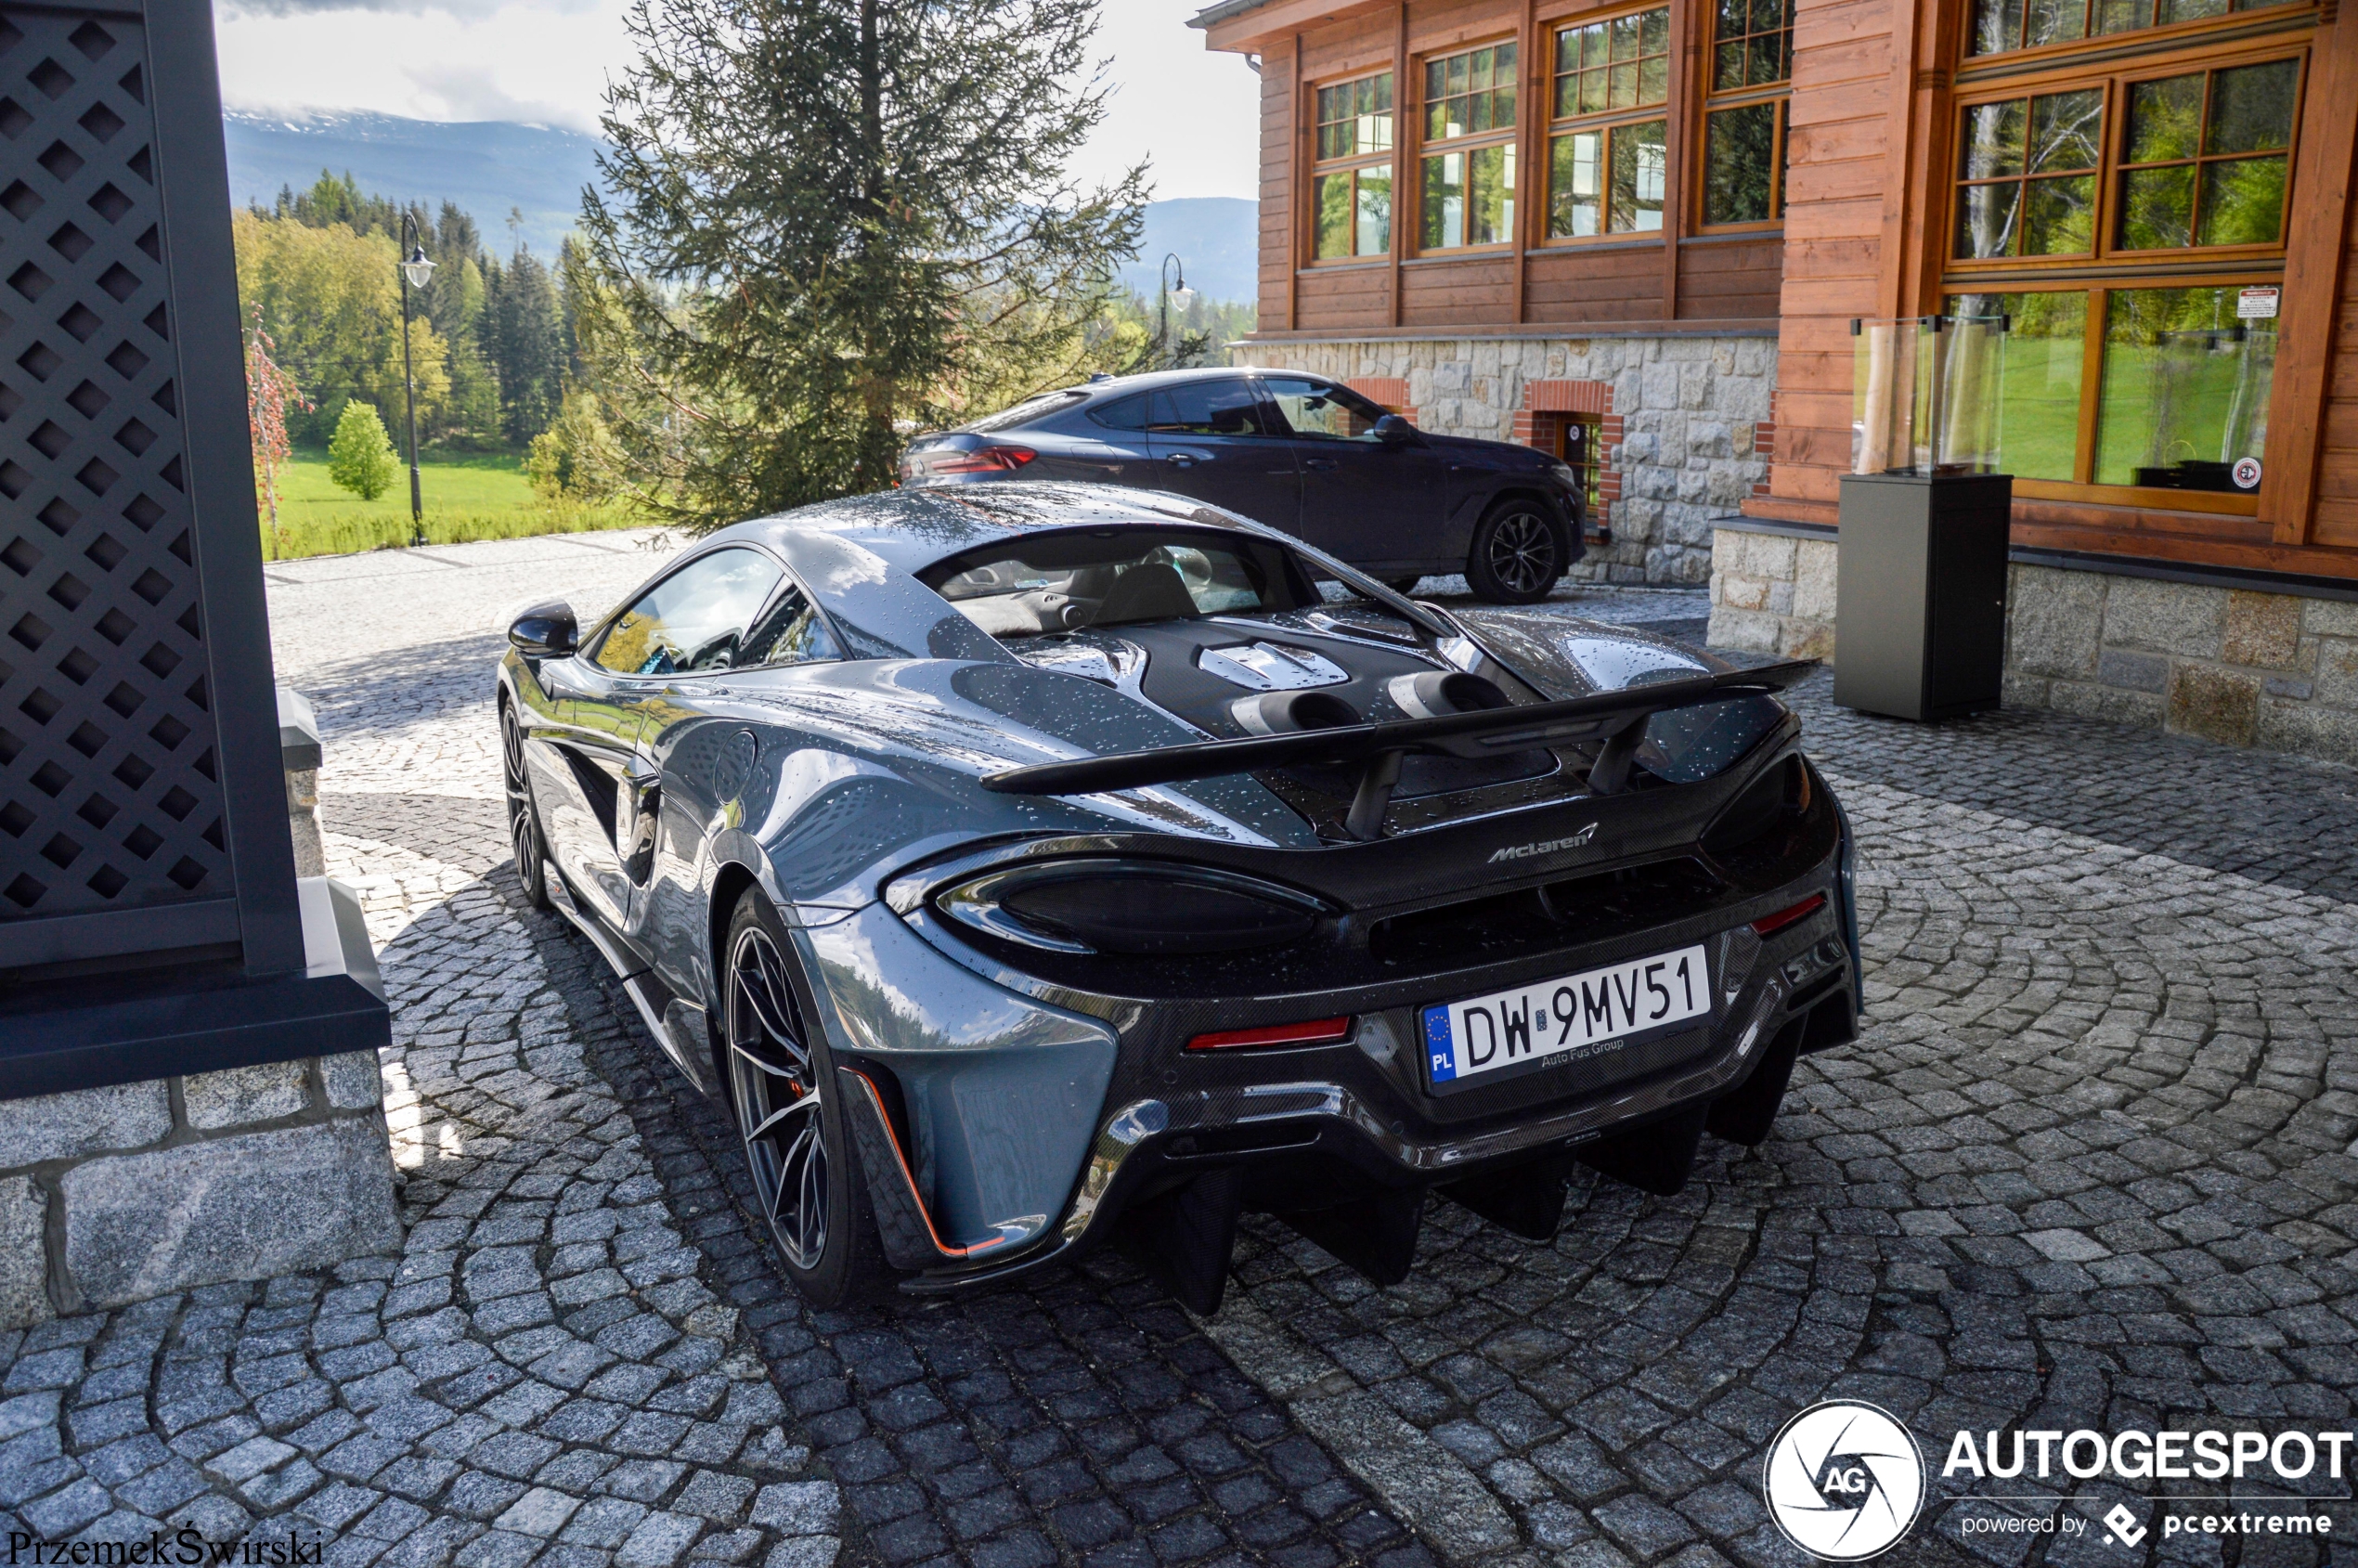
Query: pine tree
[
  {"x": 360, "y": 456},
  {"x": 526, "y": 336},
  {"x": 830, "y": 217}
]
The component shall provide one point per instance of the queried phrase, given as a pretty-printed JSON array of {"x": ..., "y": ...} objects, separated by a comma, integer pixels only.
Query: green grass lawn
[{"x": 468, "y": 495}]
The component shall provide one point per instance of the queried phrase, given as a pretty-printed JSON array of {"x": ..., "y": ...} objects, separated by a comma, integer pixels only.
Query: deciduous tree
[{"x": 360, "y": 458}]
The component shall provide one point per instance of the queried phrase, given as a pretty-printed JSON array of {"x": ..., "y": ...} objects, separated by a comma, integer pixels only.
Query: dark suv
[{"x": 1297, "y": 452}]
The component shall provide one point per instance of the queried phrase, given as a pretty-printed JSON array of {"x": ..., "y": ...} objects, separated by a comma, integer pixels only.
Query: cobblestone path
[{"x": 2091, "y": 1167}]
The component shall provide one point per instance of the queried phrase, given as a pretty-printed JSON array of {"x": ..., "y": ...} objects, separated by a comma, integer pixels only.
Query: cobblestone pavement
[{"x": 2091, "y": 1166}]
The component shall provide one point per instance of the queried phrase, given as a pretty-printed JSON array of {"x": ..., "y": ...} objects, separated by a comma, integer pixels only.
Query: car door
[
  {"x": 1377, "y": 504},
  {"x": 693, "y": 621},
  {"x": 1211, "y": 439}
]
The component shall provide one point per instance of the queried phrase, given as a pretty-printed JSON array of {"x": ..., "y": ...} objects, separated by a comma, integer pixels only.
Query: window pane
[
  {"x": 1457, "y": 67},
  {"x": 1654, "y": 28},
  {"x": 1727, "y": 66},
  {"x": 2165, "y": 119},
  {"x": 2038, "y": 390},
  {"x": 2191, "y": 10},
  {"x": 2059, "y": 218},
  {"x": 1733, "y": 19},
  {"x": 1767, "y": 59},
  {"x": 1576, "y": 181},
  {"x": 1331, "y": 194},
  {"x": 2251, "y": 108},
  {"x": 2123, "y": 16},
  {"x": 1477, "y": 115},
  {"x": 1478, "y": 72},
  {"x": 693, "y": 619},
  {"x": 1208, "y": 408},
  {"x": 2243, "y": 202},
  {"x": 2156, "y": 208},
  {"x": 1640, "y": 174},
  {"x": 1443, "y": 222},
  {"x": 2066, "y": 131},
  {"x": 1986, "y": 215},
  {"x": 791, "y": 633},
  {"x": 1992, "y": 140},
  {"x": 1506, "y": 53},
  {"x": 1490, "y": 218},
  {"x": 1592, "y": 92},
  {"x": 1996, "y": 26},
  {"x": 1624, "y": 87},
  {"x": 1318, "y": 411},
  {"x": 2052, "y": 21},
  {"x": 1624, "y": 38},
  {"x": 1653, "y": 79},
  {"x": 1375, "y": 212},
  {"x": 1740, "y": 148},
  {"x": 1383, "y": 94},
  {"x": 2185, "y": 389}
]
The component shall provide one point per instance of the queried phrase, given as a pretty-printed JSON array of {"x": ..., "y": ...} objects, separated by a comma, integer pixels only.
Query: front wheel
[
  {"x": 523, "y": 817},
  {"x": 806, "y": 1178},
  {"x": 1518, "y": 554}
]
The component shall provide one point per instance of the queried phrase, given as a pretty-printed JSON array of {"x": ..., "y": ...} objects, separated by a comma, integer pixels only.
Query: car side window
[
  {"x": 1322, "y": 411},
  {"x": 1122, "y": 413},
  {"x": 790, "y": 632},
  {"x": 694, "y": 619},
  {"x": 1208, "y": 408}
]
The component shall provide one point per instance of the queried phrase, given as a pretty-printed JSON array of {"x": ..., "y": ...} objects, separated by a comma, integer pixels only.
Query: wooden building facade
[{"x": 2153, "y": 193}]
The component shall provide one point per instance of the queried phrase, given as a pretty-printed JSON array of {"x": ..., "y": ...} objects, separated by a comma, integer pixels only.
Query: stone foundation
[
  {"x": 1689, "y": 409},
  {"x": 111, "y": 1195},
  {"x": 2242, "y": 667}
]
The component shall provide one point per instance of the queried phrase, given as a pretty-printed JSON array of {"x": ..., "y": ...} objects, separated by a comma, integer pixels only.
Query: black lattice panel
[{"x": 110, "y": 795}]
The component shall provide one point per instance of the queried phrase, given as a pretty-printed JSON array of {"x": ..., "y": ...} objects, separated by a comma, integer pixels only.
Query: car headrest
[{"x": 1155, "y": 592}]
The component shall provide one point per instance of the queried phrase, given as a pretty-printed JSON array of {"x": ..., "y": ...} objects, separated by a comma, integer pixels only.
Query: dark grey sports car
[{"x": 1035, "y": 865}]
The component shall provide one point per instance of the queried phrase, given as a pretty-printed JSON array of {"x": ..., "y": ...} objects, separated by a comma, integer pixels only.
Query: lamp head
[{"x": 418, "y": 269}]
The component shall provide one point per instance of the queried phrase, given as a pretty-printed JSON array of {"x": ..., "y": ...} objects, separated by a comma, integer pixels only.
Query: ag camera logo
[{"x": 1844, "y": 1481}]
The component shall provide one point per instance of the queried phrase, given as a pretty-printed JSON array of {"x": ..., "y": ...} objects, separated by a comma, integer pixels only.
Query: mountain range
[{"x": 530, "y": 176}]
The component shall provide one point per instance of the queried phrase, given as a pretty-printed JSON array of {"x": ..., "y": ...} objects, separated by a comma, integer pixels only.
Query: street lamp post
[
  {"x": 417, "y": 270},
  {"x": 1185, "y": 295}
]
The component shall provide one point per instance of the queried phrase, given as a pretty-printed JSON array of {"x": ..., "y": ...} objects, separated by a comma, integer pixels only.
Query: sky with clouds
[{"x": 1193, "y": 113}]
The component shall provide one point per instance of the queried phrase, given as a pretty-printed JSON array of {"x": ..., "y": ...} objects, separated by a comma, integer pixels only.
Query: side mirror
[
  {"x": 545, "y": 631},
  {"x": 1393, "y": 430}
]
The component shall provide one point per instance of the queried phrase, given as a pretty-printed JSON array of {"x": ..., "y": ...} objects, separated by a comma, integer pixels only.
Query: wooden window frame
[
  {"x": 1354, "y": 163},
  {"x": 2114, "y": 77},
  {"x": 2294, "y": 13},
  {"x": 1411, "y": 239},
  {"x": 1717, "y": 100},
  {"x": 2083, "y": 486},
  {"x": 1554, "y": 127}
]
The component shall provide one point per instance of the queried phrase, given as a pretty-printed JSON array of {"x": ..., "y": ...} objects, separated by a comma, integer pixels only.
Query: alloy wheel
[
  {"x": 1522, "y": 552},
  {"x": 524, "y": 826},
  {"x": 781, "y": 1110}
]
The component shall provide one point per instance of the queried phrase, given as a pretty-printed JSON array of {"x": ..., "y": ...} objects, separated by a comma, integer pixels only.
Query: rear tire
[
  {"x": 523, "y": 816},
  {"x": 1519, "y": 551},
  {"x": 808, "y": 1180}
]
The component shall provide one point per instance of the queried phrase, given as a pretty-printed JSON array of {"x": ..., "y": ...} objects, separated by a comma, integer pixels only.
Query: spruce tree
[{"x": 830, "y": 217}]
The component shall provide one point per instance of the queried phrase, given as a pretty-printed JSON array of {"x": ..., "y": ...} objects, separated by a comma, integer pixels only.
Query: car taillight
[
  {"x": 1313, "y": 1032},
  {"x": 1769, "y": 925},
  {"x": 981, "y": 460},
  {"x": 1146, "y": 909}
]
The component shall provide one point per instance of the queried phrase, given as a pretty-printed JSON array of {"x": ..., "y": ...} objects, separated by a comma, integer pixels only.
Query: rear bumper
[{"x": 1338, "y": 1134}]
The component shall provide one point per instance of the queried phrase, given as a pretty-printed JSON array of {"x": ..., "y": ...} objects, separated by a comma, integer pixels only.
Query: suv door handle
[
  {"x": 1188, "y": 460},
  {"x": 1322, "y": 464}
]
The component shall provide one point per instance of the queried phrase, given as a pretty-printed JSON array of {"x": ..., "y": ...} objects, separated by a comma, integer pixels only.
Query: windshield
[{"x": 1062, "y": 582}]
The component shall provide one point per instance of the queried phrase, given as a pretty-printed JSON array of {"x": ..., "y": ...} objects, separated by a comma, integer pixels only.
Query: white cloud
[{"x": 1193, "y": 114}]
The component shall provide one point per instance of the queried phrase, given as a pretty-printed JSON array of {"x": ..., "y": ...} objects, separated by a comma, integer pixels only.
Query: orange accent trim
[
  {"x": 1769, "y": 925},
  {"x": 1312, "y": 1031},
  {"x": 914, "y": 1197}
]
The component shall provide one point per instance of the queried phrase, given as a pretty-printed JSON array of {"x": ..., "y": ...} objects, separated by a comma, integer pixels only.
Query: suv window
[
  {"x": 694, "y": 619},
  {"x": 1322, "y": 411},
  {"x": 1026, "y": 412},
  {"x": 1211, "y": 407},
  {"x": 1122, "y": 413}
]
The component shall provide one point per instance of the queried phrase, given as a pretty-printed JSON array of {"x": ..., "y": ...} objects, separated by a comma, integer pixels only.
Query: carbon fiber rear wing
[{"x": 1618, "y": 717}]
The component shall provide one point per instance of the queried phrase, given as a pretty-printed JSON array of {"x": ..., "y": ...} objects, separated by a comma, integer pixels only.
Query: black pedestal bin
[{"x": 1920, "y": 594}]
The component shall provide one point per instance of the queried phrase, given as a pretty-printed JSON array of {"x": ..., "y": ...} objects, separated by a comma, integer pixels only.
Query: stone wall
[
  {"x": 1689, "y": 408},
  {"x": 2240, "y": 666},
  {"x": 111, "y": 1195}
]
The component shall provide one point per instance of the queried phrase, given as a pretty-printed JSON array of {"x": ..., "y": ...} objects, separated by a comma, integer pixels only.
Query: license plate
[{"x": 1581, "y": 1015}]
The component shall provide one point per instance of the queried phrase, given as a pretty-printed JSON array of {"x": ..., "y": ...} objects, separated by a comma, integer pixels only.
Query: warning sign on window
[{"x": 2256, "y": 305}]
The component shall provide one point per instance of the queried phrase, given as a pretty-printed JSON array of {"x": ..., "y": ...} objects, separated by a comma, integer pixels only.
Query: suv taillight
[{"x": 954, "y": 459}]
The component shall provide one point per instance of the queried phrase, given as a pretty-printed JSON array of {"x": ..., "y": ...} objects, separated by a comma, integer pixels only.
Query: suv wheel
[{"x": 1518, "y": 554}]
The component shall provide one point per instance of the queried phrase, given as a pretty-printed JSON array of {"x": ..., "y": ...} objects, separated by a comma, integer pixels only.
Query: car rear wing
[{"x": 1619, "y": 717}]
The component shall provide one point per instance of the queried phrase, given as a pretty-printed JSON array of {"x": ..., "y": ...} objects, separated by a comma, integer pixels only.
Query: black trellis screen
[{"x": 143, "y": 826}]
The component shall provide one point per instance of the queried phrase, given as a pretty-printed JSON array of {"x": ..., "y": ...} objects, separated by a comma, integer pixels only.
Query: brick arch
[{"x": 1548, "y": 405}]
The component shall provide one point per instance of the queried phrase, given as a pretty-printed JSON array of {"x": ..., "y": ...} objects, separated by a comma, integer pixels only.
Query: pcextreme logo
[{"x": 1844, "y": 1481}]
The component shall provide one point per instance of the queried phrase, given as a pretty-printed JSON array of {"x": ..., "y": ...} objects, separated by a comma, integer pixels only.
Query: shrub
[{"x": 360, "y": 456}]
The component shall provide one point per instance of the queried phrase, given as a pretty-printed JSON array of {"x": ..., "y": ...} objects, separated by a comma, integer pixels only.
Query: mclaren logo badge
[{"x": 1524, "y": 851}]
